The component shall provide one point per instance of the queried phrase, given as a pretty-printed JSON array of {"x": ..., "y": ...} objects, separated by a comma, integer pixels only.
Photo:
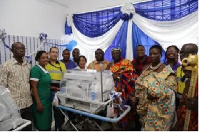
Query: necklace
[{"x": 155, "y": 67}]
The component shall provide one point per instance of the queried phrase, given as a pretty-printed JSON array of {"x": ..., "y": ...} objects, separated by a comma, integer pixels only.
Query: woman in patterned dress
[{"x": 155, "y": 91}]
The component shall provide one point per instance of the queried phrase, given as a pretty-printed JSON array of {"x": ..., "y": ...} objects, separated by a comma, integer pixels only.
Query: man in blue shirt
[{"x": 69, "y": 64}]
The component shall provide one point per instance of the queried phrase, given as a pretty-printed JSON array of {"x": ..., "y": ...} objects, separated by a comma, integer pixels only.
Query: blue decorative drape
[
  {"x": 166, "y": 10},
  {"x": 140, "y": 38},
  {"x": 118, "y": 42},
  {"x": 94, "y": 24},
  {"x": 68, "y": 29}
]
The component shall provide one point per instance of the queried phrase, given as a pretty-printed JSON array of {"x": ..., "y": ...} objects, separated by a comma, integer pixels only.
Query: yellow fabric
[
  {"x": 179, "y": 75},
  {"x": 55, "y": 70}
]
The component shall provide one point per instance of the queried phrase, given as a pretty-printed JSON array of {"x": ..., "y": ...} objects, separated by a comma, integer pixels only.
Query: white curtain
[
  {"x": 166, "y": 33},
  {"x": 89, "y": 45},
  {"x": 129, "y": 49}
]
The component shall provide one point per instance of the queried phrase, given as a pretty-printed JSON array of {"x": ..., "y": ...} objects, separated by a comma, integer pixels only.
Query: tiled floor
[{"x": 88, "y": 126}]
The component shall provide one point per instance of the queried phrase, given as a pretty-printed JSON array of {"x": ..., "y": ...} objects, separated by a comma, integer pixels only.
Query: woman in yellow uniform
[{"x": 40, "y": 81}]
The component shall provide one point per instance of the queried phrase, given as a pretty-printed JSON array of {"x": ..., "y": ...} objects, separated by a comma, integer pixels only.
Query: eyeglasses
[{"x": 54, "y": 52}]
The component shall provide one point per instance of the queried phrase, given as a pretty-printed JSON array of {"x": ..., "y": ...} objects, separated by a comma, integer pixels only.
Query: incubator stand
[
  {"x": 95, "y": 116},
  {"x": 87, "y": 93}
]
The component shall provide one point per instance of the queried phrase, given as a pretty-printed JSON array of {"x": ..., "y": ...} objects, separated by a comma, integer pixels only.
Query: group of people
[{"x": 157, "y": 92}]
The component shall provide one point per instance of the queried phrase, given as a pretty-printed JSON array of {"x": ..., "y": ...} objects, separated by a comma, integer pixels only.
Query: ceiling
[{"x": 80, "y": 6}]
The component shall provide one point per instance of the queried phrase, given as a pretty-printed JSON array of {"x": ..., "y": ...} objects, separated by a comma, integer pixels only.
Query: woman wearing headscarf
[{"x": 155, "y": 91}]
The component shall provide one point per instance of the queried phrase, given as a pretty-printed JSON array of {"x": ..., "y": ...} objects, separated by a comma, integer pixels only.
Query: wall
[{"x": 31, "y": 17}]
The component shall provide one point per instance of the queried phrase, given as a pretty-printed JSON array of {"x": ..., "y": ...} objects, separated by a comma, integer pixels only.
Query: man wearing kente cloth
[{"x": 124, "y": 77}]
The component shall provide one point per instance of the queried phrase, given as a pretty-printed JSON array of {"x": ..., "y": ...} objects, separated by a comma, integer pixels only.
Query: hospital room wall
[{"x": 31, "y": 17}]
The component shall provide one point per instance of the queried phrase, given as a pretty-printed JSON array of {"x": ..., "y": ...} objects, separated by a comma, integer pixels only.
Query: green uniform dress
[{"x": 42, "y": 120}]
